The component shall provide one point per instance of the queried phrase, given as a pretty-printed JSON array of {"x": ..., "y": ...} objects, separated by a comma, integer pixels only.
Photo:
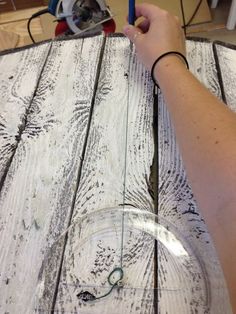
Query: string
[
  {"x": 126, "y": 155},
  {"x": 87, "y": 296}
]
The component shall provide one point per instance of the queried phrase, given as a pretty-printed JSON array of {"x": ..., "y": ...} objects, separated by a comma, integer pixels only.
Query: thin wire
[
  {"x": 125, "y": 163},
  {"x": 37, "y": 14},
  {"x": 87, "y": 296},
  {"x": 28, "y": 28}
]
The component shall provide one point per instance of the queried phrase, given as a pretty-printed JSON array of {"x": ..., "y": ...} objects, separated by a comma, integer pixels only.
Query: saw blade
[{"x": 83, "y": 15}]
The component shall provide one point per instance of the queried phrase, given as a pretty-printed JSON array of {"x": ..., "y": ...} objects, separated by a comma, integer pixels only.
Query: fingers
[
  {"x": 144, "y": 26},
  {"x": 148, "y": 11},
  {"x": 177, "y": 19},
  {"x": 133, "y": 33}
]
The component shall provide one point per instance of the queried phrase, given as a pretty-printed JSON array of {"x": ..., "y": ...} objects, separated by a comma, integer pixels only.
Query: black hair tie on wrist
[{"x": 164, "y": 55}]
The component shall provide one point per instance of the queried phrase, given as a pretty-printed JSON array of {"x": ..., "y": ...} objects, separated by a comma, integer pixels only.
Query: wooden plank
[
  {"x": 203, "y": 65},
  {"x": 91, "y": 254},
  {"x": 226, "y": 58},
  {"x": 19, "y": 75},
  {"x": 94, "y": 248},
  {"x": 35, "y": 209},
  {"x": 38, "y": 193},
  {"x": 178, "y": 206}
]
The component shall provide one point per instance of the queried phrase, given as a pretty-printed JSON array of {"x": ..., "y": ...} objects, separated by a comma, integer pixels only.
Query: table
[{"x": 66, "y": 161}]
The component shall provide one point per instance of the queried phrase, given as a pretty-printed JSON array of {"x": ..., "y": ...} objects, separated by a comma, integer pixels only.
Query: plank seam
[
  {"x": 24, "y": 123},
  {"x": 79, "y": 170},
  {"x": 226, "y": 45},
  {"x": 156, "y": 189},
  {"x": 219, "y": 73}
]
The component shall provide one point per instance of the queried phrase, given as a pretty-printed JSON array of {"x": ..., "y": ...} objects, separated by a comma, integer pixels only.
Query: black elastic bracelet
[{"x": 162, "y": 56}]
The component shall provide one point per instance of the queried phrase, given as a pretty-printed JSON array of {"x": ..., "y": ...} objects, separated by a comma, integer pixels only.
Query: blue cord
[{"x": 131, "y": 12}]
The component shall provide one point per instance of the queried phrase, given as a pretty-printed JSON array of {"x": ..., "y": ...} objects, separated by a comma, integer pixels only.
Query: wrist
[{"x": 166, "y": 63}]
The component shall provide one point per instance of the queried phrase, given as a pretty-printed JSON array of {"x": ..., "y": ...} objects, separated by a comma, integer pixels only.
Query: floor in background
[
  {"x": 216, "y": 29},
  {"x": 16, "y": 22},
  {"x": 203, "y": 15},
  {"x": 43, "y": 27}
]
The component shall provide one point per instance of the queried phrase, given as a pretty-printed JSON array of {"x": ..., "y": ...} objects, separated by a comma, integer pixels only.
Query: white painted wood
[
  {"x": 93, "y": 248},
  {"x": 227, "y": 63},
  {"x": 36, "y": 200},
  {"x": 19, "y": 74},
  {"x": 231, "y": 22},
  {"x": 87, "y": 264},
  {"x": 177, "y": 203},
  {"x": 202, "y": 64}
]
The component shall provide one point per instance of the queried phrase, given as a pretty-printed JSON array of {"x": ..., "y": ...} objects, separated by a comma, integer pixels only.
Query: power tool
[{"x": 80, "y": 15}]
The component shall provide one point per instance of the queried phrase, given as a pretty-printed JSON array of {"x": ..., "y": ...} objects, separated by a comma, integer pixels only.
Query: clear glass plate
[{"x": 140, "y": 255}]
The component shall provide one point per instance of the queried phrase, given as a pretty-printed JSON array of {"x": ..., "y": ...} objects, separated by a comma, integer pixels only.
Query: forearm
[
  {"x": 206, "y": 133},
  {"x": 205, "y": 130}
]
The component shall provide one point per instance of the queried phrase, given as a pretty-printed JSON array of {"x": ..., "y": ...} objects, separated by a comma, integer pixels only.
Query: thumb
[{"x": 132, "y": 32}]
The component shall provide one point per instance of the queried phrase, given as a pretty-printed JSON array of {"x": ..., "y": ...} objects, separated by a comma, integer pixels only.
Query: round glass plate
[{"x": 159, "y": 267}]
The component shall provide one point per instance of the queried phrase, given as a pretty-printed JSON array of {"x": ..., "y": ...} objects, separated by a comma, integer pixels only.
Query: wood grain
[
  {"x": 52, "y": 178},
  {"x": 94, "y": 248},
  {"x": 19, "y": 75},
  {"x": 37, "y": 196},
  {"x": 226, "y": 56},
  {"x": 203, "y": 65}
]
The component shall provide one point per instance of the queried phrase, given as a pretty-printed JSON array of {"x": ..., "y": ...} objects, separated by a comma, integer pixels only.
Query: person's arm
[{"x": 205, "y": 130}]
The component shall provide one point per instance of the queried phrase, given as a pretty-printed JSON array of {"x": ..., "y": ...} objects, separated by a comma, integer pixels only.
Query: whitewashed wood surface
[
  {"x": 123, "y": 82},
  {"x": 227, "y": 62},
  {"x": 36, "y": 198},
  {"x": 19, "y": 74},
  {"x": 39, "y": 196}
]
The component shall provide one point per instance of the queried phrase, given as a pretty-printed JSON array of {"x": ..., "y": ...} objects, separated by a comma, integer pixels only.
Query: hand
[{"x": 160, "y": 32}]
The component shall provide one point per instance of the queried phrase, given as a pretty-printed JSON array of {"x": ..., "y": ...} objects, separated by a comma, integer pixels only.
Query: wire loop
[{"x": 86, "y": 296}]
